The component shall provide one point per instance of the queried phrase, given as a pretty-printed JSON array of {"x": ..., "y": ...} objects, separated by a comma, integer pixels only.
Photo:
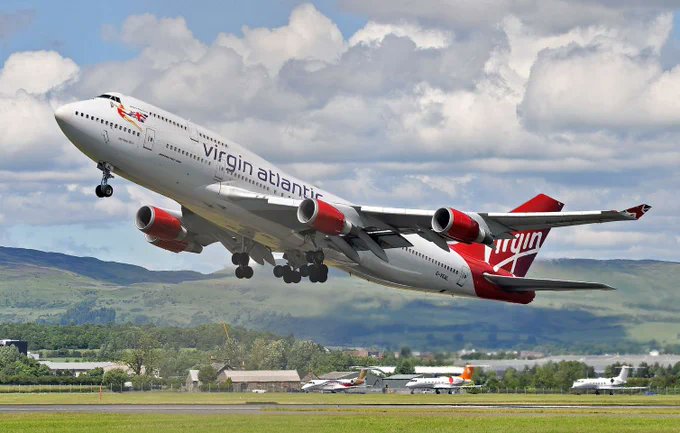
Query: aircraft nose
[{"x": 61, "y": 114}]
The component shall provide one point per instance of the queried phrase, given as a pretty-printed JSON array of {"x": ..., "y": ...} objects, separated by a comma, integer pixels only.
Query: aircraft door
[
  {"x": 219, "y": 170},
  {"x": 462, "y": 276},
  {"x": 149, "y": 139},
  {"x": 193, "y": 132},
  {"x": 105, "y": 135}
]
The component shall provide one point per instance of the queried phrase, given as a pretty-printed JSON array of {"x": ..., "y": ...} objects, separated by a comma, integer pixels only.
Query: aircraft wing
[
  {"x": 410, "y": 220},
  {"x": 517, "y": 284}
]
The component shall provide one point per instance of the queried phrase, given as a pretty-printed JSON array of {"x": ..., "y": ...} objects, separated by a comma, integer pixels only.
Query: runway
[{"x": 288, "y": 409}]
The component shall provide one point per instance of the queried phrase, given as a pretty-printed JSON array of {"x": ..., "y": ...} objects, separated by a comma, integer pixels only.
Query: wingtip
[{"x": 638, "y": 211}]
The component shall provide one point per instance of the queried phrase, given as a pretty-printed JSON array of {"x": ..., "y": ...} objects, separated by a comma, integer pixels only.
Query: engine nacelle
[
  {"x": 323, "y": 217},
  {"x": 459, "y": 226},
  {"x": 175, "y": 246},
  {"x": 160, "y": 224}
]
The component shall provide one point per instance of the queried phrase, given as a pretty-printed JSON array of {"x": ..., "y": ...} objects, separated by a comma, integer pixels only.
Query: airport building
[
  {"x": 77, "y": 368},
  {"x": 251, "y": 380}
]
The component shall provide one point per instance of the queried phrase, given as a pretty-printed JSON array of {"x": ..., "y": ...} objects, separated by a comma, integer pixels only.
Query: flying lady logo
[{"x": 131, "y": 116}]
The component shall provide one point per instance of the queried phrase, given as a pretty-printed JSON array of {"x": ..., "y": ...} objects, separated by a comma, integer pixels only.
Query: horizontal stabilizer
[{"x": 517, "y": 284}]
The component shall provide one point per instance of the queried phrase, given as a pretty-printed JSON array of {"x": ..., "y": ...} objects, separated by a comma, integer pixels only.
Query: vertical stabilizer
[{"x": 515, "y": 255}]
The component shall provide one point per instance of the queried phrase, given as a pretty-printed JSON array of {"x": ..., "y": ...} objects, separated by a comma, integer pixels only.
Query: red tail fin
[{"x": 515, "y": 255}]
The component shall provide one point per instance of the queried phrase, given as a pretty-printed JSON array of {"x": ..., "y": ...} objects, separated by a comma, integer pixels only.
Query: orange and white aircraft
[
  {"x": 336, "y": 385},
  {"x": 227, "y": 194},
  {"x": 447, "y": 383}
]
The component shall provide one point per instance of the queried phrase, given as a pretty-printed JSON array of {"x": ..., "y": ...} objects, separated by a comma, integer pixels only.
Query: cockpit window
[{"x": 113, "y": 98}]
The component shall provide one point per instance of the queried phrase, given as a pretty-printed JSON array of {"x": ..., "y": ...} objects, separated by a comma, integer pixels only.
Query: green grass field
[
  {"x": 340, "y": 418},
  {"x": 356, "y": 421},
  {"x": 338, "y": 399}
]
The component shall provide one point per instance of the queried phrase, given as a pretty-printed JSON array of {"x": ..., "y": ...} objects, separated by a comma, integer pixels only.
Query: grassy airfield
[{"x": 651, "y": 413}]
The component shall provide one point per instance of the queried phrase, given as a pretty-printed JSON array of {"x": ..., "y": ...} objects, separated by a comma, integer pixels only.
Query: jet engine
[
  {"x": 459, "y": 226},
  {"x": 160, "y": 224},
  {"x": 323, "y": 217}
]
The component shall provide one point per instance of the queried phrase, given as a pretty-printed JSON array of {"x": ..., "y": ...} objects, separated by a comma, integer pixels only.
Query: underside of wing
[{"x": 517, "y": 284}]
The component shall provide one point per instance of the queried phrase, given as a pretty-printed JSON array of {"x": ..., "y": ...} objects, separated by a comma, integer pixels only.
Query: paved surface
[{"x": 288, "y": 408}]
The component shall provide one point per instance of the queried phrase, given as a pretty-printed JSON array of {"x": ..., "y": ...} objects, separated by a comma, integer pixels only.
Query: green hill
[{"x": 56, "y": 288}]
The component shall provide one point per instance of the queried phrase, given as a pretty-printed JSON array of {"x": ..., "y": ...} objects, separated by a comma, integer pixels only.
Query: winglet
[{"x": 638, "y": 211}]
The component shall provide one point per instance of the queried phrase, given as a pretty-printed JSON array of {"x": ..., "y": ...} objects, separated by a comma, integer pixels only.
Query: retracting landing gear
[
  {"x": 104, "y": 190},
  {"x": 243, "y": 270},
  {"x": 317, "y": 271},
  {"x": 314, "y": 269}
]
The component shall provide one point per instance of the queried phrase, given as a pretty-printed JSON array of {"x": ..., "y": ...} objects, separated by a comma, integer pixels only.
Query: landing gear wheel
[
  {"x": 234, "y": 259},
  {"x": 296, "y": 277},
  {"x": 304, "y": 270},
  {"x": 323, "y": 277},
  {"x": 104, "y": 189},
  {"x": 287, "y": 275},
  {"x": 437, "y": 391},
  {"x": 314, "y": 274},
  {"x": 248, "y": 272},
  {"x": 318, "y": 257},
  {"x": 239, "y": 273},
  {"x": 278, "y": 271}
]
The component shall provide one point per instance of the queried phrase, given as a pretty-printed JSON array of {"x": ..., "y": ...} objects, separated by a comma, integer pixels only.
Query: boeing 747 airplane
[{"x": 228, "y": 194}]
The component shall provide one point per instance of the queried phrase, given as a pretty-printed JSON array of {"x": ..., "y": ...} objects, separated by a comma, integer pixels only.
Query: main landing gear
[
  {"x": 104, "y": 190},
  {"x": 314, "y": 269},
  {"x": 243, "y": 270}
]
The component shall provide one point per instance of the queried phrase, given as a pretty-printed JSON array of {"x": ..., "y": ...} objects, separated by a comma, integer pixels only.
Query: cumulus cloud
[
  {"x": 36, "y": 72},
  {"x": 309, "y": 35}
]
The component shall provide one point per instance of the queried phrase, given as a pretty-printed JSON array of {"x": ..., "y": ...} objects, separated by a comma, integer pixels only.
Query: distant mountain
[
  {"x": 644, "y": 313},
  {"x": 112, "y": 272}
]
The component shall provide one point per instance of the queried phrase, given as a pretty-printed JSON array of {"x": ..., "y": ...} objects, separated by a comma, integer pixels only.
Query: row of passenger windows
[
  {"x": 108, "y": 123},
  {"x": 430, "y": 259},
  {"x": 170, "y": 121},
  {"x": 210, "y": 139},
  {"x": 188, "y": 154}
]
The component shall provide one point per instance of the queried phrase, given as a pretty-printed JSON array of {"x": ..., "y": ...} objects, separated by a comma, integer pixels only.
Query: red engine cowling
[
  {"x": 160, "y": 224},
  {"x": 323, "y": 217},
  {"x": 459, "y": 226},
  {"x": 175, "y": 246}
]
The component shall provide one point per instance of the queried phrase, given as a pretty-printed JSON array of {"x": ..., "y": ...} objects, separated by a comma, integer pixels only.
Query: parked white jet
[
  {"x": 605, "y": 383},
  {"x": 336, "y": 385},
  {"x": 230, "y": 195},
  {"x": 447, "y": 383}
]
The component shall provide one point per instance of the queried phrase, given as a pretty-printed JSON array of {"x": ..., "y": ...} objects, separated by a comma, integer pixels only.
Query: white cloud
[
  {"x": 36, "y": 72},
  {"x": 373, "y": 34},
  {"x": 309, "y": 35}
]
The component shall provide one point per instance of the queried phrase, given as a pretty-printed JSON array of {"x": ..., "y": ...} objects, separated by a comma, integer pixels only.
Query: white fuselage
[
  {"x": 189, "y": 164},
  {"x": 598, "y": 383},
  {"x": 441, "y": 382}
]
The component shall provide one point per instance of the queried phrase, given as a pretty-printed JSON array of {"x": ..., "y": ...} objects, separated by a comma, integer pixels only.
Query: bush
[{"x": 115, "y": 379}]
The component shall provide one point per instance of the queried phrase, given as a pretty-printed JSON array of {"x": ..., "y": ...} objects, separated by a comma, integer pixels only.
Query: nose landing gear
[
  {"x": 104, "y": 190},
  {"x": 243, "y": 270}
]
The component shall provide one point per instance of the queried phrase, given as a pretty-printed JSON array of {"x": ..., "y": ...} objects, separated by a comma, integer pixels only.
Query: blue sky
[
  {"x": 477, "y": 107},
  {"x": 76, "y": 28}
]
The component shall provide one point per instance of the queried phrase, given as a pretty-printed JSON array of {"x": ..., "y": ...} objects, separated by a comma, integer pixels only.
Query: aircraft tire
[
  {"x": 98, "y": 191},
  {"x": 234, "y": 259},
  {"x": 319, "y": 257},
  {"x": 304, "y": 270},
  {"x": 278, "y": 271},
  {"x": 239, "y": 273},
  {"x": 107, "y": 190},
  {"x": 248, "y": 272},
  {"x": 323, "y": 277},
  {"x": 296, "y": 277}
]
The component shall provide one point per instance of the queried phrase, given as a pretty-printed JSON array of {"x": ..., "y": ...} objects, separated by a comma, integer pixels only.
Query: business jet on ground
[
  {"x": 336, "y": 385},
  {"x": 446, "y": 383},
  {"x": 228, "y": 194},
  {"x": 610, "y": 384}
]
